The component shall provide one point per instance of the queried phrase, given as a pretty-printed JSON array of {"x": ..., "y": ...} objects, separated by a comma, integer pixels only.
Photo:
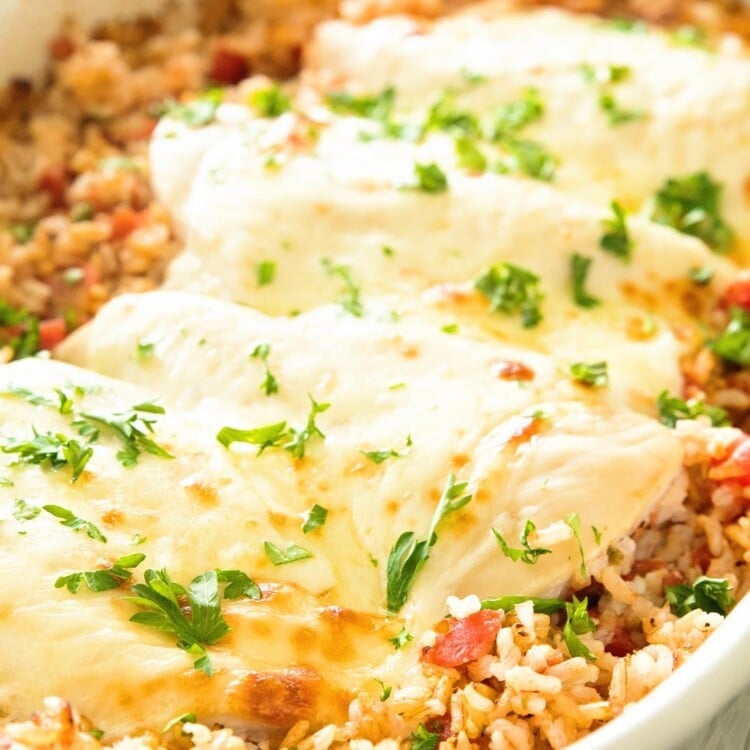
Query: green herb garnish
[
  {"x": 314, "y": 518},
  {"x": 72, "y": 521},
  {"x": 578, "y": 623},
  {"x": 671, "y": 408},
  {"x": 579, "y": 269},
  {"x": 102, "y": 580},
  {"x": 733, "y": 344},
  {"x": 400, "y": 640},
  {"x": 409, "y": 554},
  {"x": 56, "y": 449},
  {"x": 271, "y": 101},
  {"x": 591, "y": 374},
  {"x": 512, "y": 289},
  {"x": 292, "y": 553},
  {"x": 526, "y": 553},
  {"x": 691, "y": 204},
  {"x": 350, "y": 300},
  {"x": 708, "y": 594},
  {"x": 616, "y": 238},
  {"x": 269, "y": 385}
]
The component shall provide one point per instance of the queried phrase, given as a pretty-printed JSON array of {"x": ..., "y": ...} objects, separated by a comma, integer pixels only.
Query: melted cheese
[
  {"x": 342, "y": 201},
  {"x": 696, "y": 103}
]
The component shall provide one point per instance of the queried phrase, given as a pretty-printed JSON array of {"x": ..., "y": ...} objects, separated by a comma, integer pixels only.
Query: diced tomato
[
  {"x": 702, "y": 557},
  {"x": 621, "y": 644},
  {"x": 61, "y": 47},
  {"x": 738, "y": 292},
  {"x": 54, "y": 180},
  {"x": 124, "y": 221},
  {"x": 466, "y": 640},
  {"x": 227, "y": 67},
  {"x": 736, "y": 467},
  {"x": 512, "y": 370},
  {"x": 51, "y": 332}
]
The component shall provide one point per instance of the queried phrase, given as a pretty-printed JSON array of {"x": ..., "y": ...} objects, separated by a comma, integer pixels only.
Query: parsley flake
[
  {"x": 573, "y": 520},
  {"x": 591, "y": 374},
  {"x": 265, "y": 272},
  {"x": 429, "y": 178},
  {"x": 350, "y": 300},
  {"x": 469, "y": 155},
  {"x": 578, "y": 622},
  {"x": 421, "y": 739},
  {"x": 616, "y": 238},
  {"x": 144, "y": 350},
  {"x": 271, "y": 101},
  {"x": 526, "y": 554},
  {"x": 314, "y": 518},
  {"x": 510, "y": 118},
  {"x": 400, "y": 640},
  {"x": 55, "y": 449},
  {"x": 691, "y": 204},
  {"x": 292, "y": 553},
  {"x": 72, "y": 521},
  {"x": 529, "y": 158},
  {"x": 195, "y": 114},
  {"x": 701, "y": 275},
  {"x": 22, "y": 511},
  {"x": 671, "y": 408},
  {"x": 507, "y": 603},
  {"x": 707, "y": 594},
  {"x": 409, "y": 554},
  {"x": 102, "y": 580},
  {"x": 19, "y": 330},
  {"x": 512, "y": 289},
  {"x": 131, "y": 428},
  {"x": 733, "y": 344},
  {"x": 579, "y": 269},
  {"x": 161, "y": 601},
  {"x": 269, "y": 386},
  {"x": 239, "y": 584}
]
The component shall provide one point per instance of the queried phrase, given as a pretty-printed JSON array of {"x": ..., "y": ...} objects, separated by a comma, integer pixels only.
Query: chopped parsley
[
  {"x": 617, "y": 114},
  {"x": 671, "y": 408},
  {"x": 689, "y": 35},
  {"x": 239, "y": 584},
  {"x": 82, "y": 211},
  {"x": 386, "y": 690},
  {"x": 20, "y": 330},
  {"x": 388, "y": 251},
  {"x": 604, "y": 74},
  {"x": 510, "y": 118},
  {"x": 131, "y": 428},
  {"x": 708, "y": 594},
  {"x": 36, "y": 399},
  {"x": 400, "y": 640},
  {"x": 691, "y": 204},
  {"x": 271, "y": 101},
  {"x": 72, "y": 521},
  {"x": 507, "y": 603},
  {"x": 55, "y": 449},
  {"x": 22, "y": 511},
  {"x": 292, "y": 553},
  {"x": 529, "y": 158},
  {"x": 421, "y": 739},
  {"x": 429, "y": 178},
  {"x": 591, "y": 374},
  {"x": 350, "y": 301},
  {"x": 579, "y": 269},
  {"x": 197, "y": 113},
  {"x": 512, "y": 289},
  {"x": 102, "y": 580},
  {"x": 409, "y": 554},
  {"x": 573, "y": 520},
  {"x": 733, "y": 343},
  {"x": 375, "y": 107},
  {"x": 616, "y": 238},
  {"x": 701, "y": 275},
  {"x": 469, "y": 155},
  {"x": 526, "y": 554},
  {"x": 269, "y": 385},
  {"x": 144, "y": 350},
  {"x": 597, "y": 535},
  {"x": 265, "y": 272},
  {"x": 379, "y": 457},
  {"x": 162, "y": 603},
  {"x": 578, "y": 622},
  {"x": 181, "y": 719},
  {"x": 314, "y": 518},
  {"x": 443, "y": 115},
  {"x": 22, "y": 233}
]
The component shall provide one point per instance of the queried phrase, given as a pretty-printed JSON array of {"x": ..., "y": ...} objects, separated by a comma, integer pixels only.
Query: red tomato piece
[
  {"x": 61, "y": 47},
  {"x": 227, "y": 67},
  {"x": 51, "y": 332},
  {"x": 466, "y": 640},
  {"x": 736, "y": 467},
  {"x": 124, "y": 221},
  {"x": 54, "y": 180},
  {"x": 738, "y": 292}
]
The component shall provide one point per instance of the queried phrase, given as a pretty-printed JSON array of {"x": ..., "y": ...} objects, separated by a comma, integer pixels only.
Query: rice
[{"x": 79, "y": 223}]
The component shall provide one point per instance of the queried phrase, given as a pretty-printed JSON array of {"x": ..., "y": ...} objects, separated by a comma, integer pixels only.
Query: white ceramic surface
[{"x": 687, "y": 712}]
